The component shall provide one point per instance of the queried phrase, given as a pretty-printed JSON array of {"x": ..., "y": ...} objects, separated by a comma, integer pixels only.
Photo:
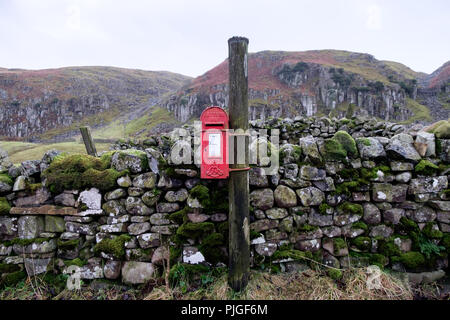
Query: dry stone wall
[{"x": 347, "y": 193}]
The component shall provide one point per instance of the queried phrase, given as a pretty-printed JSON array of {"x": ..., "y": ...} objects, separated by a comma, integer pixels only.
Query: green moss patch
[
  {"x": 335, "y": 274},
  {"x": 211, "y": 201},
  {"x": 210, "y": 248},
  {"x": 347, "y": 142},
  {"x": 412, "y": 259},
  {"x": 362, "y": 243},
  {"x": 426, "y": 167},
  {"x": 5, "y": 207},
  {"x": 191, "y": 230},
  {"x": 351, "y": 208},
  {"x": 68, "y": 244},
  {"x": 6, "y": 179},
  {"x": 334, "y": 150},
  {"x": 115, "y": 246},
  {"x": 12, "y": 279},
  {"x": 26, "y": 242},
  {"x": 75, "y": 262},
  {"x": 79, "y": 171}
]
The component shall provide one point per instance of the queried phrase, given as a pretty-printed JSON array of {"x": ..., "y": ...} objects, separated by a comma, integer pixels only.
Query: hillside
[
  {"x": 53, "y": 103},
  {"x": 319, "y": 82}
]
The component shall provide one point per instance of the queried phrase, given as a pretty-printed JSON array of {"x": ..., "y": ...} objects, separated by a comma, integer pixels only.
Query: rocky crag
[
  {"x": 369, "y": 198},
  {"x": 58, "y": 101},
  {"x": 326, "y": 82}
]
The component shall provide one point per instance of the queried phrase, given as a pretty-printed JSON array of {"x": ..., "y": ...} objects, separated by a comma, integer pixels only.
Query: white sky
[{"x": 190, "y": 37}]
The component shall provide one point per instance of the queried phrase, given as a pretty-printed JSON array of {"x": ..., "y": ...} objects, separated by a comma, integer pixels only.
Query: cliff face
[
  {"x": 34, "y": 102},
  {"x": 287, "y": 84}
]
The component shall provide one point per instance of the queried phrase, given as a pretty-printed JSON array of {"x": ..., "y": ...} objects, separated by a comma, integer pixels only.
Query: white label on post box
[{"x": 214, "y": 144}]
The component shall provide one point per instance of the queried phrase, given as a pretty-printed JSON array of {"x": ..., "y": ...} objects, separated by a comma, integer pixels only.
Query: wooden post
[
  {"x": 238, "y": 219},
  {"x": 88, "y": 141}
]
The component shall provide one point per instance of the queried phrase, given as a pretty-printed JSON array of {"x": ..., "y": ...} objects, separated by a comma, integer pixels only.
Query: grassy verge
[
  {"x": 307, "y": 285},
  {"x": 21, "y": 151}
]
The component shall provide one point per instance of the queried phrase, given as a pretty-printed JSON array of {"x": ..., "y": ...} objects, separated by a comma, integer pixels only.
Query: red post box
[{"x": 214, "y": 144}]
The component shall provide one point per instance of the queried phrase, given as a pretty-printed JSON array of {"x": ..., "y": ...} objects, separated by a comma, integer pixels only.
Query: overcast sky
[{"x": 190, "y": 37}]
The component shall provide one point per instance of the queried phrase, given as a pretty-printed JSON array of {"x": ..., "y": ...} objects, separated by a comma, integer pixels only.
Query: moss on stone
[
  {"x": 364, "y": 141},
  {"x": 334, "y": 150},
  {"x": 432, "y": 233},
  {"x": 75, "y": 262},
  {"x": 26, "y": 242},
  {"x": 5, "y": 207},
  {"x": 11, "y": 279},
  {"x": 210, "y": 247},
  {"x": 104, "y": 180},
  {"x": 114, "y": 246},
  {"x": 307, "y": 228},
  {"x": 6, "y": 179},
  {"x": 180, "y": 216},
  {"x": 409, "y": 225},
  {"x": 443, "y": 131},
  {"x": 338, "y": 244},
  {"x": 346, "y": 188},
  {"x": 426, "y": 167},
  {"x": 323, "y": 208},
  {"x": 349, "y": 173},
  {"x": 360, "y": 225},
  {"x": 68, "y": 244},
  {"x": 254, "y": 234},
  {"x": 351, "y": 208},
  {"x": 79, "y": 171},
  {"x": 388, "y": 248},
  {"x": 362, "y": 243},
  {"x": 191, "y": 230},
  {"x": 412, "y": 259},
  {"x": 347, "y": 142}
]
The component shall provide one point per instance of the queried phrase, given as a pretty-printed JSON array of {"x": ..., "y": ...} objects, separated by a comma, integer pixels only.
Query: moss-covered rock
[
  {"x": 78, "y": 171},
  {"x": 5, "y": 207},
  {"x": 350, "y": 208},
  {"x": 412, "y": 259},
  {"x": 443, "y": 130},
  {"x": 347, "y": 142},
  {"x": 426, "y": 167},
  {"x": 114, "y": 246},
  {"x": 362, "y": 243},
  {"x": 431, "y": 232},
  {"x": 191, "y": 230},
  {"x": 211, "y": 248},
  {"x": 6, "y": 179},
  {"x": 334, "y": 150},
  {"x": 11, "y": 279},
  {"x": 75, "y": 262}
]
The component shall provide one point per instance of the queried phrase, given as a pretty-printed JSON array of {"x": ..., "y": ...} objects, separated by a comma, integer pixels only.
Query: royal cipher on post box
[{"x": 214, "y": 144}]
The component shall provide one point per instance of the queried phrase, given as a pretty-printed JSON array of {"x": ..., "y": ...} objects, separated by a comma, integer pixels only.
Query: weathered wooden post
[
  {"x": 238, "y": 219},
  {"x": 88, "y": 141}
]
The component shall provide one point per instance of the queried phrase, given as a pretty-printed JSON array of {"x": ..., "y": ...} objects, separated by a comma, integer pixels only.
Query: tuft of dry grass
[{"x": 307, "y": 285}]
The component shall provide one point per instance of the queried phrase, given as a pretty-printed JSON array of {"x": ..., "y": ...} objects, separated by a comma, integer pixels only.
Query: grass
[
  {"x": 307, "y": 285},
  {"x": 421, "y": 112},
  {"x": 135, "y": 128},
  {"x": 21, "y": 151}
]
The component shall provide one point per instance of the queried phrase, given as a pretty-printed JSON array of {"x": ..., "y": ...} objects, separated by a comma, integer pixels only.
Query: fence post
[
  {"x": 88, "y": 141},
  {"x": 238, "y": 219}
]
